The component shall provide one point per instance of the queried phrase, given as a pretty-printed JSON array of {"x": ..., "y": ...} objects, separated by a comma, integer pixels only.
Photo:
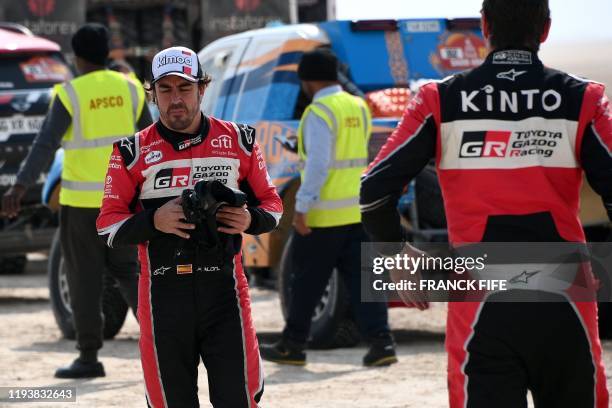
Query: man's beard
[{"x": 180, "y": 123}]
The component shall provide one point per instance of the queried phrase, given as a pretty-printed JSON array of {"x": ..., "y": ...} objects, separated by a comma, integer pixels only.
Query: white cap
[{"x": 179, "y": 61}]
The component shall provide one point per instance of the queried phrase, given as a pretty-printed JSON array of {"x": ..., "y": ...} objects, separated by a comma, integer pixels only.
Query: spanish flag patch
[{"x": 183, "y": 269}]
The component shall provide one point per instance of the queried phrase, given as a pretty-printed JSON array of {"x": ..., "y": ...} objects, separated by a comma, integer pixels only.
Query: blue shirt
[{"x": 318, "y": 145}]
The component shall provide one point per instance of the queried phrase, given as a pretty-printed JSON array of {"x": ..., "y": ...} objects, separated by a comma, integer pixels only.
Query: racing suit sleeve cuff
[
  {"x": 302, "y": 206},
  {"x": 261, "y": 221},
  {"x": 137, "y": 229}
]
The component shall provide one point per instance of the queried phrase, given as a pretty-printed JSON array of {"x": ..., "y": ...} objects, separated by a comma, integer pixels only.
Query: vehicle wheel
[
  {"x": 332, "y": 323},
  {"x": 13, "y": 265},
  {"x": 114, "y": 307},
  {"x": 261, "y": 278}
]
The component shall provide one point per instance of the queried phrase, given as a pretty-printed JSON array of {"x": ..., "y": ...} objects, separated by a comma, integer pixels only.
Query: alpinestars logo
[
  {"x": 510, "y": 75},
  {"x": 161, "y": 270},
  {"x": 484, "y": 144},
  {"x": 128, "y": 144},
  {"x": 248, "y": 133},
  {"x": 523, "y": 277}
]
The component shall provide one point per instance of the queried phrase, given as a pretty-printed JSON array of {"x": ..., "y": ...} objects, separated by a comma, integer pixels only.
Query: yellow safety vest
[
  {"x": 350, "y": 122},
  {"x": 104, "y": 106}
]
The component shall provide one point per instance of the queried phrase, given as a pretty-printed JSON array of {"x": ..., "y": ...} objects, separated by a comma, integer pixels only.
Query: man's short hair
[{"x": 516, "y": 23}]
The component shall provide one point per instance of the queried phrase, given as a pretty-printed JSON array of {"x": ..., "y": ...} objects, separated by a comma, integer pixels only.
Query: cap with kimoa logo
[{"x": 179, "y": 61}]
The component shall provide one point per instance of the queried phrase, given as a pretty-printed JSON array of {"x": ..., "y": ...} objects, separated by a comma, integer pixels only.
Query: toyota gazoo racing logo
[
  {"x": 184, "y": 177},
  {"x": 484, "y": 144},
  {"x": 191, "y": 142},
  {"x": 170, "y": 178},
  {"x": 500, "y": 144}
]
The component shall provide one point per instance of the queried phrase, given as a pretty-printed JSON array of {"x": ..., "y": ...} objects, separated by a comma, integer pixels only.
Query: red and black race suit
[
  {"x": 193, "y": 304},
  {"x": 511, "y": 141}
]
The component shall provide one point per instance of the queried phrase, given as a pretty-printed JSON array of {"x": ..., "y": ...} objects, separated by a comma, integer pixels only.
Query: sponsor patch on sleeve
[
  {"x": 128, "y": 147},
  {"x": 246, "y": 137}
]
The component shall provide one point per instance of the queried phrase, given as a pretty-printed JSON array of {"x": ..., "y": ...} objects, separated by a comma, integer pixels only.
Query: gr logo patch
[{"x": 484, "y": 144}]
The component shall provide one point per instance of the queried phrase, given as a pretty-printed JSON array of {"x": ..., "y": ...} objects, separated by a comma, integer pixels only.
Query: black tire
[
  {"x": 114, "y": 307},
  {"x": 13, "y": 265},
  {"x": 332, "y": 323}
]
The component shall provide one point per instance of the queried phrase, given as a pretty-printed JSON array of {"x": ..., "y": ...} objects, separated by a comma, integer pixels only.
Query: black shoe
[
  {"x": 380, "y": 354},
  {"x": 283, "y": 352},
  {"x": 81, "y": 369}
]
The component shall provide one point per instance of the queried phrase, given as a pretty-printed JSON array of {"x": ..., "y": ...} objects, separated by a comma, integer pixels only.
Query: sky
[{"x": 572, "y": 20}]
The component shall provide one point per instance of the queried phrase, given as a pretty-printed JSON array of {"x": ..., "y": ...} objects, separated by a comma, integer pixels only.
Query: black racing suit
[
  {"x": 511, "y": 140},
  {"x": 193, "y": 298}
]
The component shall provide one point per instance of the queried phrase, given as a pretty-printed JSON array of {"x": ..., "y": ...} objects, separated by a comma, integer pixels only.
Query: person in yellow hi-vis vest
[
  {"x": 86, "y": 116},
  {"x": 332, "y": 144}
]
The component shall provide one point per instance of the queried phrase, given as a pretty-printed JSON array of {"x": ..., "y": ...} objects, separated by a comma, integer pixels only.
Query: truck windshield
[{"x": 215, "y": 65}]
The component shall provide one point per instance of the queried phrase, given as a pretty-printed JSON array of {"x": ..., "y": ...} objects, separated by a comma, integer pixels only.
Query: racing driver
[
  {"x": 194, "y": 302},
  {"x": 499, "y": 186}
]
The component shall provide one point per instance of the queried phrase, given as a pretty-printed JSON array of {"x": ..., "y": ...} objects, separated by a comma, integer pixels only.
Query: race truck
[{"x": 255, "y": 82}]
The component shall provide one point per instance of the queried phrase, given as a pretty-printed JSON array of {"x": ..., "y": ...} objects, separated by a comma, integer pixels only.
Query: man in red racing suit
[
  {"x": 194, "y": 302},
  {"x": 511, "y": 140}
]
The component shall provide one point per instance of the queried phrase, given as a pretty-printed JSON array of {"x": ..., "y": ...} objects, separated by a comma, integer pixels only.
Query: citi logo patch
[
  {"x": 184, "y": 269},
  {"x": 222, "y": 142},
  {"x": 484, "y": 144}
]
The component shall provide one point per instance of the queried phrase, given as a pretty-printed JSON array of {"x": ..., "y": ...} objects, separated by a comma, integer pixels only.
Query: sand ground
[{"x": 31, "y": 348}]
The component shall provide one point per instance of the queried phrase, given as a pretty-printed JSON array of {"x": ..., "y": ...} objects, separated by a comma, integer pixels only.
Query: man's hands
[
  {"x": 11, "y": 201},
  {"x": 169, "y": 218},
  {"x": 236, "y": 219},
  {"x": 299, "y": 223},
  {"x": 414, "y": 298}
]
